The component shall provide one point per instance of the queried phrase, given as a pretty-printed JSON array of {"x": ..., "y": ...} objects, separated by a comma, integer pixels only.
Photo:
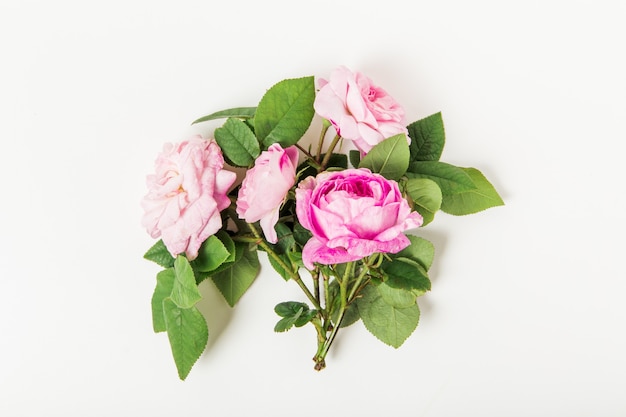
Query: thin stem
[
  {"x": 329, "y": 152},
  {"x": 320, "y": 142},
  {"x": 305, "y": 152},
  {"x": 354, "y": 289},
  {"x": 289, "y": 269}
]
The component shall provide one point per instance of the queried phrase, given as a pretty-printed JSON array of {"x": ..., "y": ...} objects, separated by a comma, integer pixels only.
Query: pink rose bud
[
  {"x": 265, "y": 187},
  {"x": 352, "y": 214},
  {"x": 186, "y": 195},
  {"x": 358, "y": 109}
]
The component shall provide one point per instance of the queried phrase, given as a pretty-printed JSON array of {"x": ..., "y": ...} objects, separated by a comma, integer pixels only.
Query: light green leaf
[
  {"x": 163, "y": 289},
  {"x": 391, "y": 325},
  {"x": 188, "y": 334},
  {"x": 396, "y": 297},
  {"x": 159, "y": 254},
  {"x": 420, "y": 250},
  {"x": 235, "y": 280},
  {"x": 426, "y": 196},
  {"x": 390, "y": 158},
  {"x": 285, "y": 112},
  {"x": 238, "y": 143},
  {"x": 451, "y": 179},
  {"x": 427, "y": 138},
  {"x": 185, "y": 290},
  {"x": 403, "y": 273},
  {"x": 239, "y": 112},
  {"x": 212, "y": 254},
  {"x": 484, "y": 196}
]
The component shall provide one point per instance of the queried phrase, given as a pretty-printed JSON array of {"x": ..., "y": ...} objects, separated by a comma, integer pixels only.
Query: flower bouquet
[{"x": 338, "y": 224}]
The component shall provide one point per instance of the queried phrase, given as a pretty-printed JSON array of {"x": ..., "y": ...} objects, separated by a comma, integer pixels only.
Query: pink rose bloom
[
  {"x": 265, "y": 187},
  {"x": 358, "y": 109},
  {"x": 186, "y": 195},
  {"x": 352, "y": 214}
]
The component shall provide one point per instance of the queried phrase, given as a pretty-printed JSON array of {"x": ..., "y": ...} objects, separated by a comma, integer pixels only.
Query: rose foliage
[{"x": 339, "y": 215}]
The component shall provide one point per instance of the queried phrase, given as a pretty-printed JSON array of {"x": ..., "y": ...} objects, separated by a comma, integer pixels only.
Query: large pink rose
[
  {"x": 358, "y": 109},
  {"x": 265, "y": 186},
  {"x": 352, "y": 214},
  {"x": 186, "y": 195}
]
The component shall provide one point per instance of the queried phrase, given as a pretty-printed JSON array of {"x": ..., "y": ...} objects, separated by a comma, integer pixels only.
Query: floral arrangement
[{"x": 343, "y": 226}]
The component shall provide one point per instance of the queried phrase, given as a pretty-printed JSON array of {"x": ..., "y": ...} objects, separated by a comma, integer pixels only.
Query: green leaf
[
  {"x": 285, "y": 112},
  {"x": 188, "y": 334},
  {"x": 212, "y": 254},
  {"x": 286, "y": 241},
  {"x": 293, "y": 313},
  {"x": 185, "y": 290},
  {"x": 163, "y": 289},
  {"x": 390, "y": 158},
  {"x": 420, "y": 250},
  {"x": 159, "y": 254},
  {"x": 427, "y": 138},
  {"x": 355, "y": 158},
  {"x": 351, "y": 314},
  {"x": 426, "y": 196},
  {"x": 396, "y": 297},
  {"x": 238, "y": 143},
  {"x": 450, "y": 179},
  {"x": 391, "y": 325},
  {"x": 406, "y": 274},
  {"x": 286, "y": 275},
  {"x": 235, "y": 280},
  {"x": 239, "y": 112},
  {"x": 484, "y": 196},
  {"x": 300, "y": 234}
]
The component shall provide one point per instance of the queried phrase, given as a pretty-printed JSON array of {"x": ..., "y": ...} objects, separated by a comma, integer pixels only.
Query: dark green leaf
[
  {"x": 285, "y": 112},
  {"x": 238, "y": 143},
  {"x": 188, "y": 334},
  {"x": 355, "y": 158},
  {"x": 484, "y": 196},
  {"x": 159, "y": 254},
  {"x": 390, "y": 158},
  {"x": 293, "y": 313},
  {"x": 235, "y": 280},
  {"x": 239, "y": 112},
  {"x": 450, "y": 179},
  {"x": 426, "y": 196},
  {"x": 391, "y": 325},
  {"x": 427, "y": 138},
  {"x": 301, "y": 235},
  {"x": 163, "y": 289},
  {"x": 420, "y": 250},
  {"x": 185, "y": 290},
  {"x": 406, "y": 274},
  {"x": 285, "y": 274}
]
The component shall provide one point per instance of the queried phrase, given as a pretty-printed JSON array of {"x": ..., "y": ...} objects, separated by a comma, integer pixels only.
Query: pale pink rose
[
  {"x": 352, "y": 214},
  {"x": 358, "y": 109},
  {"x": 265, "y": 187},
  {"x": 186, "y": 195}
]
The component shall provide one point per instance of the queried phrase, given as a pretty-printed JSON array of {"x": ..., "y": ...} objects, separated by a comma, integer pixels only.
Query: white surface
[{"x": 527, "y": 314}]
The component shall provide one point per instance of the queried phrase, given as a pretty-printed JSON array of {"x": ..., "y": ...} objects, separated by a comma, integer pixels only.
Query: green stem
[
  {"x": 320, "y": 142},
  {"x": 329, "y": 152},
  {"x": 289, "y": 269}
]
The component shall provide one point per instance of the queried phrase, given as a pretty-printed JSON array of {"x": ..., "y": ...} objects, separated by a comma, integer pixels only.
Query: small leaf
[
  {"x": 235, "y": 280},
  {"x": 285, "y": 112},
  {"x": 301, "y": 235},
  {"x": 390, "y": 158},
  {"x": 484, "y": 196},
  {"x": 212, "y": 254},
  {"x": 420, "y": 250},
  {"x": 426, "y": 197},
  {"x": 239, "y": 112},
  {"x": 286, "y": 275},
  {"x": 355, "y": 158},
  {"x": 185, "y": 290},
  {"x": 293, "y": 313},
  {"x": 450, "y": 179},
  {"x": 238, "y": 143},
  {"x": 188, "y": 334},
  {"x": 159, "y": 254},
  {"x": 427, "y": 138},
  {"x": 391, "y": 325},
  {"x": 405, "y": 274},
  {"x": 163, "y": 289}
]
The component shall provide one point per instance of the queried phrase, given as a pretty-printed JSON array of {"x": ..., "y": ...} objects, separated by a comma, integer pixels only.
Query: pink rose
[
  {"x": 352, "y": 214},
  {"x": 359, "y": 110},
  {"x": 186, "y": 195},
  {"x": 265, "y": 187}
]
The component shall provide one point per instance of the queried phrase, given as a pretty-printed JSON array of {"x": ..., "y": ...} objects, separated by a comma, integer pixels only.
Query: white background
[{"x": 526, "y": 316}]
